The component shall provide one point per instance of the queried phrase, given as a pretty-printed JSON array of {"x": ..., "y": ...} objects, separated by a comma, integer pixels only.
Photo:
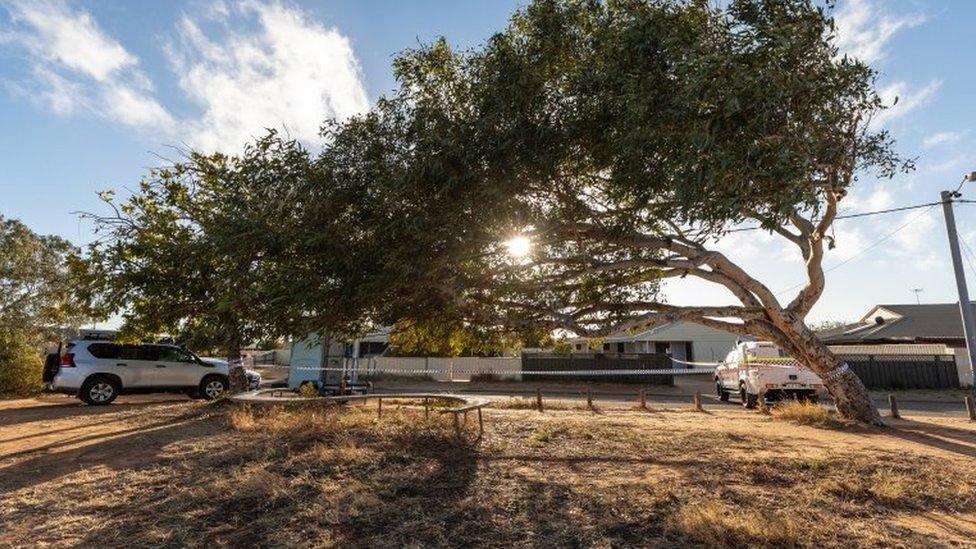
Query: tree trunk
[
  {"x": 849, "y": 394},
  {"x": 235, "y": 368}
]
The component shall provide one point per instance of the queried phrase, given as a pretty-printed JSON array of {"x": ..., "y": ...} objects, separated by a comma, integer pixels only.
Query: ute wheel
[
  {"x": 748, "y": 400},
  {"x": 213, "y": 386},
  {"x": 723, "y": 395},
  {"x": 99, "y": 390}
]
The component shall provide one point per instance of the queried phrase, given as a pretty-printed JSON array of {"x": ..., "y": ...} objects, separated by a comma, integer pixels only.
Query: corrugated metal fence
[
  {"x": 881, "y": 371},
  {"x": 905, "y": 371},
  {"x": 549, "y": 363}
]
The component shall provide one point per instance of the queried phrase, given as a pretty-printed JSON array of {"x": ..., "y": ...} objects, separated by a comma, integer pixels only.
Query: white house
[{"x": 686, "y": 341}]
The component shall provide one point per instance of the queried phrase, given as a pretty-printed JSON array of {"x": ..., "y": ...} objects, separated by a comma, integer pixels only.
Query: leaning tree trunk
[
  {"x": 235, "y": 368},
  {"x": 849, "y": 393}
]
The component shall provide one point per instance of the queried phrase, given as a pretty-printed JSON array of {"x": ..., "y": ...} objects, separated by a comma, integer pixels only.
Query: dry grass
[
  {"x": 715, "y": 523},
  {"x": 805, "y": 413},
  {"x": 191, "y": 475}
]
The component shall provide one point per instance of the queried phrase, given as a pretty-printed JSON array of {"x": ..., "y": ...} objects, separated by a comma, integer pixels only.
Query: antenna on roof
[{"x": 917, "y": 291}]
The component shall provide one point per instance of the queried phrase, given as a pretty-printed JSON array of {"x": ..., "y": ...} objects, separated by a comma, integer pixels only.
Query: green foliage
[
  {"x": 445, "y": 338},
  {"x": 38, "y": 280},
  {"x": 20, "y": 362},
  {"x": 197, "y": 251},
  {"x": 597, "y": 128}
]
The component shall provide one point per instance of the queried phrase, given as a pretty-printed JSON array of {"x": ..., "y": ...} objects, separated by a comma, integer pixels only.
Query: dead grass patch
[
  {"x": 717, "y": 524},
  {"x": 327, "y": 475},
  {"x": 805, "y": 413}
]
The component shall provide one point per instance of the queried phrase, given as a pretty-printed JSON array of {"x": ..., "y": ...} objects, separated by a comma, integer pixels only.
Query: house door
[{"x": 678, "y": 351}]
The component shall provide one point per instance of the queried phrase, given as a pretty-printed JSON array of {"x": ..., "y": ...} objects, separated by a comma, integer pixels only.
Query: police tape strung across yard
[{"x": 369, "y": 371}]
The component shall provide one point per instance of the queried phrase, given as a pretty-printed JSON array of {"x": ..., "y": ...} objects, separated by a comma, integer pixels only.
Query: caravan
[{"x": 331, "y": 365}]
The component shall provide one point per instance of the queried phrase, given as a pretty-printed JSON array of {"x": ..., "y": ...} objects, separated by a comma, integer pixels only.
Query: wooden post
[
  {"x": 481, "y": 424},
  {"x": 538, "y": 398},
  {"x": 457, "y": 425},
  {"x": 426, "y": 408},
  {"x": 698, "y": 404},
  {"x": 894, "y": 406},
  {"x": 971, "y": 408},
  {"x": 589, "y": 397},
  {"x": 643, "y": 399},
  {"x": 379, "y": 406}
]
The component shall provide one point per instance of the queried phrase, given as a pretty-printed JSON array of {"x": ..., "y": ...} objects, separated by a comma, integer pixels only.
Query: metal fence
[
  {"x": 905, "y": 371},
  {"x": 550, "y": 363}
]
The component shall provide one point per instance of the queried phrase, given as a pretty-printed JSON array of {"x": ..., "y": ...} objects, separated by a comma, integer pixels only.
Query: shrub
[
  {"x": 307, "y": 390},
  {"x": 20, "y": 364}
]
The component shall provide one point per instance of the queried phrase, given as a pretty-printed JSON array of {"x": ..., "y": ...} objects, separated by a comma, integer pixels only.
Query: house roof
[{"x": 907, "y": 322}]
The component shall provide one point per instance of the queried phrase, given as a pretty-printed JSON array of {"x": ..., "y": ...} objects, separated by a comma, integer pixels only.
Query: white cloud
[
  {"x": 292, "y": 73},
  {"x": 879, "y": 199},
  {"x": 864, "y": 28},
  {"x": 75, "y": 67},
  {"x": 901, "y": 99},
  {"x": 245, "y": 66},
  {"x": 943, "y": 138},
  {"x": 916, "y": 235}
]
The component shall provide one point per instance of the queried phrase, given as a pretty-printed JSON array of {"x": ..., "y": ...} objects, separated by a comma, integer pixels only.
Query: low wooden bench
[{"x": 465, "y": 403}]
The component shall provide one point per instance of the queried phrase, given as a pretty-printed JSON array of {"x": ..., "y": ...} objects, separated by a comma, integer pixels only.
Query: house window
[
  {"x": 662, "y": 347},
  {"x": 606, "y": 346},
  {"x": 620, "y": 348}
]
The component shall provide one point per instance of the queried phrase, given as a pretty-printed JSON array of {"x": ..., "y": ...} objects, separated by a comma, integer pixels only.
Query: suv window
[
  {"x": 131, "y": 352},
  {"x": 104, "y": 350},
  {"x": 172, "y": 354}
]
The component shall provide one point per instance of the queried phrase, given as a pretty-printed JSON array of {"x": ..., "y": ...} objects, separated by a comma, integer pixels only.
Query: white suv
[{"x": 98, "y": 371}]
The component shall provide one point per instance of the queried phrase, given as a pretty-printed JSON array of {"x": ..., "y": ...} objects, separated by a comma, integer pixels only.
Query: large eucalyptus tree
[{"x": 620, "y": 138}]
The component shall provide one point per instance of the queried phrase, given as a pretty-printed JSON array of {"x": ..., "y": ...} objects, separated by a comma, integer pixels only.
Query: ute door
[{"x": 176, "y": 367}]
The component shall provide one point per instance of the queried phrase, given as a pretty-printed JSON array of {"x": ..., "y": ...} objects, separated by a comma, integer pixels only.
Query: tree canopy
[
  {"x": 196, "y": 251},
  {"x": 37, "y": 280},
  {"x": 620, "y": 138}
]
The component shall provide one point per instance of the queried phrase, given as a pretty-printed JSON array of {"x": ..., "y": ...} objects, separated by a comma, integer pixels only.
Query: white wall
[
  {"x": 447, "y": 369},
  {"x": 708, "y": 344},
  {"x": 963, "y": 367}
]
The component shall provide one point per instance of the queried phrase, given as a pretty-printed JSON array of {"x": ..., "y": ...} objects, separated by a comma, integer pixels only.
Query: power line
[
  {"x": 866, "y": 214},
  {"x": 869, "y": 248},
  {"x": 969, "y": 255}
]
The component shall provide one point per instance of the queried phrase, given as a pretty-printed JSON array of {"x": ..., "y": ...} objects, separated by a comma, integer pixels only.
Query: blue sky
[{"x": 91, "y": 93}]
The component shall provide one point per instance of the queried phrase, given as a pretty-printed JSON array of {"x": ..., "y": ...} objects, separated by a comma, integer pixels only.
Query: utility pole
[{"x": 965, "y": 306}]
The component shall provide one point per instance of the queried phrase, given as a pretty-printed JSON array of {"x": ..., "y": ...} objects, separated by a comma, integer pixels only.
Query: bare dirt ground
[{"x": 165, "y": 471}]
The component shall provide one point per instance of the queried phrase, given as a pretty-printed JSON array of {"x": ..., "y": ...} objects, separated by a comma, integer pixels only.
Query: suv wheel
[
  {"x": 723, "y": 395},
  {"x": 98, "y": 390},
  {"x": 213, "y": 386}
]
